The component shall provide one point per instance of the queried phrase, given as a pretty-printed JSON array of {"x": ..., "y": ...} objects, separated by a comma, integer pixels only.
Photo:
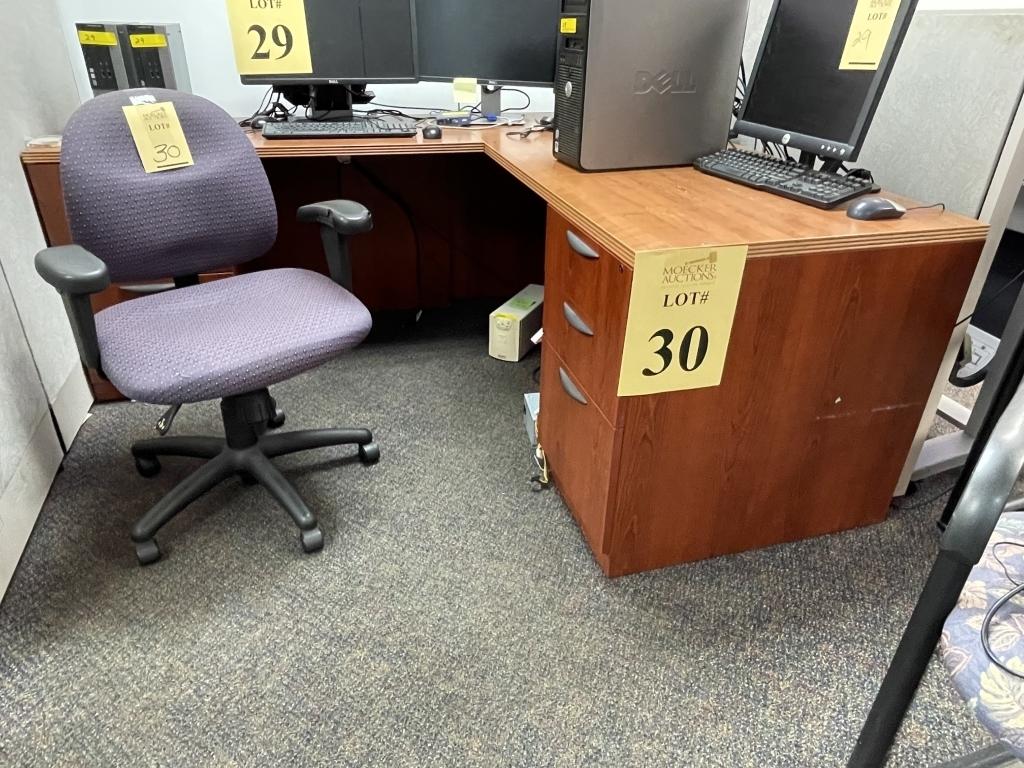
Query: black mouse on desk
[
  {"x": 258, "y": 122},
  {"x": 432, "y": 132},
  {"x": 875, "y": 208}
]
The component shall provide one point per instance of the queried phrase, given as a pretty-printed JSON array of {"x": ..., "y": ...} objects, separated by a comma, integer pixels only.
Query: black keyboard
[
  {"x": 788, "y": 179},
  {"x": 357, "y": 128}
]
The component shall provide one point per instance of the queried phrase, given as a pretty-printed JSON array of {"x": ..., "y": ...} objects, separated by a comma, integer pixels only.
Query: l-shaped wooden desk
[{"x": 837, "y": 339}]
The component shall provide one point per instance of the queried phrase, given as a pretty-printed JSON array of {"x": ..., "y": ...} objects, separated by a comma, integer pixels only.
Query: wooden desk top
[{"x": 631, "y": 211}]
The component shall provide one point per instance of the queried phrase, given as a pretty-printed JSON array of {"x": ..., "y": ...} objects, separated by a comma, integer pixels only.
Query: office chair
[
  {"x": 230, "y": 339},
  {"x": 966, "y": 552}
]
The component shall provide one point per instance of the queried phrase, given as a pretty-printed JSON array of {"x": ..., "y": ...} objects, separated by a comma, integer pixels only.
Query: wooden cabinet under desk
[{"x": 831, "y": 360}]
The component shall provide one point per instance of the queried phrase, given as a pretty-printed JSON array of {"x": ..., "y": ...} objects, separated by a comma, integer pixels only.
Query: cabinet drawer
[
  {"x": 586, "y": 298},
  {"x": 581, "y": 448}
]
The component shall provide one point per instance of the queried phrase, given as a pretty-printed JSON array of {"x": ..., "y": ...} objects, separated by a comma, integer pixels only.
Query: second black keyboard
[
  {"x": 788, "y": 179},
  {"x": 357, "y": 128}
]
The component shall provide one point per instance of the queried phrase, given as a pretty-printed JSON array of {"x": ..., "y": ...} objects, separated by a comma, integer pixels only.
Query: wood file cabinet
[{"x": 832, "y": 357}]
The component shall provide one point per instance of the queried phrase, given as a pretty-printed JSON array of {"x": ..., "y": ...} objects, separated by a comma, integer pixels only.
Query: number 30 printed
[{"x": 697, "y": 335}]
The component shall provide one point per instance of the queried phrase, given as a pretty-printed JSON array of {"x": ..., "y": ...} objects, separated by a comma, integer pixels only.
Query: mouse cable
[
  {"x": 922, "y": 502},
  {"x": 991, "y": 299},
  {"x": 986, "y": 630},
  {"x": 264, "y": 105},
  {"x": 523, "y": 108},
  {"x": 395, "y": 106},
  {"x": 525, "y": 134},
  {"x": 998, "y": 559},
  {"x": 927, "y": 207}
]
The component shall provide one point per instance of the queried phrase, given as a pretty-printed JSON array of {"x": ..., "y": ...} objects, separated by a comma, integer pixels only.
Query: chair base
[{"x": 246, "y": 451}]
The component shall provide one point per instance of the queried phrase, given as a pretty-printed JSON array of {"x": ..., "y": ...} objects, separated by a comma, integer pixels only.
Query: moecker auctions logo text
[
  {"x": 693, "y": 273},
  {"x": 697, "y": 271}
]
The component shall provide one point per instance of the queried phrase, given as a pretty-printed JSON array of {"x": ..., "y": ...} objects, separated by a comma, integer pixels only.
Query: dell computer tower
[{"x": 645, "y": 83}]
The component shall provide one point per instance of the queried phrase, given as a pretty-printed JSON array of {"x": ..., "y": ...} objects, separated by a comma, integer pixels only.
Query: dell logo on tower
[{"x": 664, "y": 82}]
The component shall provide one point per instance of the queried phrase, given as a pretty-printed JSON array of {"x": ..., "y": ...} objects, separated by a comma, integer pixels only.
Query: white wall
[
  {"x": 38, "y": 358},
  {"x": 212, "y": 67},
  {"x": 29, "y": 450},
  {"x": 37, "y": 79},
  {"x": 211, "y": 64}
]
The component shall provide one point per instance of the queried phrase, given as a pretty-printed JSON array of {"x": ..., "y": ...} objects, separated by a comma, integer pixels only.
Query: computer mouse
[
  {"x": 258, "y": 122},
  {"x": 432, "y": 132},
  {"x": 875, "y": 208}
]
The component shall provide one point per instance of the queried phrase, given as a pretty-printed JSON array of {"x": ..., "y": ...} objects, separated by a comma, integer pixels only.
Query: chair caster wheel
[
  {"x": 312, "y": 540},
  {"x": 147, "y": 466},
  {"x": 369, "y": 453},
  {"x": 147, "y": 551},
  {"x": 277, "y": 420}
]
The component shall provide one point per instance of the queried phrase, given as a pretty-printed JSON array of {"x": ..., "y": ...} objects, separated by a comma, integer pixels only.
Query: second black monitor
[
  {"x": 821, "y": 71},
  {"x": 510, "y": 43}
]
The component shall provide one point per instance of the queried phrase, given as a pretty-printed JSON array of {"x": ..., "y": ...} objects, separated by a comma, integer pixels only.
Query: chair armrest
[
  {"x": 72, "y": 270},
  {"x": 76, "y": 274},
  {"x": 989, "y": 486},
  {"x": 345, "y": 217},
  {"x": 338, "y": 219}
]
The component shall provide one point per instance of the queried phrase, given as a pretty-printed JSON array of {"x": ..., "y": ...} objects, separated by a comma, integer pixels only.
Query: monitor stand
[
  {"x": 490, "y": 99},
  {"x": 328, "y": 103},
  {"x": 828, "y": 164}
]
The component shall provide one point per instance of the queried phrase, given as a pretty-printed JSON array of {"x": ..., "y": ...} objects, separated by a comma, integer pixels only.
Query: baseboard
[
  {"x": 24, "y": 495},
  {"x": 71, "y": 405}
]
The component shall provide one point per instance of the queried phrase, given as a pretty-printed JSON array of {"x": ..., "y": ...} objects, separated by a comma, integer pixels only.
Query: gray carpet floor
[{"x": 455, "y": 617}]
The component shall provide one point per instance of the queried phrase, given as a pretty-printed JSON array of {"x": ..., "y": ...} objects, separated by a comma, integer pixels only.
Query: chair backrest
[{"x": 219, "y": 212}]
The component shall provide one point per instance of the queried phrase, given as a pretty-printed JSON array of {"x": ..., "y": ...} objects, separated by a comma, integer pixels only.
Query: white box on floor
[{"x": 515, "y": 322}]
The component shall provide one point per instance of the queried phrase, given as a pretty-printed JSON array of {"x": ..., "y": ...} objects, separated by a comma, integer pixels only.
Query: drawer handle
[
  {"x": 571, "y": 389},
  {"x": 575, "y": 320},
  {"x": 580, "y": 247}
]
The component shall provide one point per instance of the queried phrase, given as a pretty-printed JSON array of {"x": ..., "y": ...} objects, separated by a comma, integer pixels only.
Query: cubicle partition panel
[
  {"x": 942, "y": 123},
  {"x": 949, "y": 129}
]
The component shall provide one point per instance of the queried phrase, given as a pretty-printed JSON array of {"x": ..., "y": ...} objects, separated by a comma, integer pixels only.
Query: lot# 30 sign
[{"x": 681, "y": 310}]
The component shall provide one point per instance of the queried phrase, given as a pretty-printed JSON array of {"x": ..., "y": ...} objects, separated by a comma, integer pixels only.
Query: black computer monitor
[
  {"x": 802, "y": 94},
  {"x": 505, "y": 42},
  {"x": 355, "y": 41}
]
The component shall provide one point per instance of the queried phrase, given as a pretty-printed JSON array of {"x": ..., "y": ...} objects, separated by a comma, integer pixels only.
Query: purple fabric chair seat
[
  {"x": 227, "y": 337},
  {"x": 995, "y": 697}
]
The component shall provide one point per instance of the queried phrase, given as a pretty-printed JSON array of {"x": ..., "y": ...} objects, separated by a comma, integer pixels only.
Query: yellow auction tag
[
  {"x": 151, "y": 40},
  {"x": 869, "y": 34},
  {"x": 158, "y": 135},
  {"x": 96, "y": 37},
  {"x": 568, "y": 26},
  {"x": 681, "y": 309},
  {"x": 270, "y": 37}
]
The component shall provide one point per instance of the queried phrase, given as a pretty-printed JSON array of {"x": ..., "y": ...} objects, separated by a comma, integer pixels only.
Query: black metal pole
[{"x": 939, "y": 596}]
